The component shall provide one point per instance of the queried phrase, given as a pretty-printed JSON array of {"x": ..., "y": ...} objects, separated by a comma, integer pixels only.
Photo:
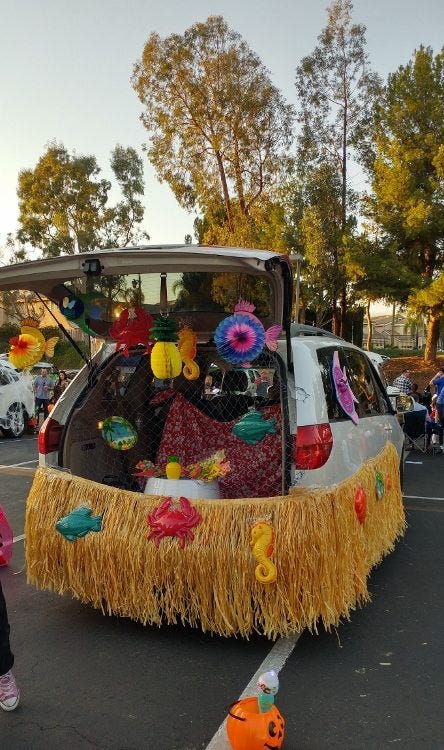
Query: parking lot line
[
  {"x": 17, "y": 471},
  {"x": 18, "y": 538},
  {"x": 275, "y": 659},
  {"x": 22, "y": 463}
]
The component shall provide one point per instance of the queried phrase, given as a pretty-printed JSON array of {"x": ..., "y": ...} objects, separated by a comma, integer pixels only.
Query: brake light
[
  {"x": 50, "y": 433},
  {"x": 312, "y": 446}
]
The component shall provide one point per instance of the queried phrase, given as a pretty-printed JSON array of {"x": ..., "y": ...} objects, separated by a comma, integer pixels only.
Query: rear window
[
  {"x": 371, "y": 400},
  {"x": 187, "y": 292}
]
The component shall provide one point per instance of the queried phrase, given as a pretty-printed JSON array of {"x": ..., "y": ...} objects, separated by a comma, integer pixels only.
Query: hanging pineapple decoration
[{"x": 166, "y": 361}]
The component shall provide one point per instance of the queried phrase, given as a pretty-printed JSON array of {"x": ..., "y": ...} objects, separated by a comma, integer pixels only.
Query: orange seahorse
[
  {"x": 187, "y": 348},
  {"x": 262, "y": 536}
]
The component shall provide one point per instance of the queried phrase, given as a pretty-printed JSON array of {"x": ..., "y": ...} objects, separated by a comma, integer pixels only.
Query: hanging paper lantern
[
  {"x": 24, "y": 351},
  {"x": 360, "y": 504},
  {"x": 166, "y": 361},
  {"x": 239, "y": 338},
  {"x": 248, "y": 729},
  {"x": 188, "y": 348},
  {"x": 118, "y": 433},
  {"x": 6, "y": 539},
  {"x": 30, "y": 346}
]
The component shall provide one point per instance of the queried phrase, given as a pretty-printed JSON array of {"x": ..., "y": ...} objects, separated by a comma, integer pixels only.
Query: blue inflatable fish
[{"x": 78, "y": 523}]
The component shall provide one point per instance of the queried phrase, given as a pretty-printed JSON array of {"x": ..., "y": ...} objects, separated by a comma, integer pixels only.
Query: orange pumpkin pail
[{"x": 248, "y": 729}]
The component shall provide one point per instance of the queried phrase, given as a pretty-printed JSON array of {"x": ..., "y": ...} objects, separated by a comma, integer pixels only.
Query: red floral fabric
[{"x": 256, "y": 470}]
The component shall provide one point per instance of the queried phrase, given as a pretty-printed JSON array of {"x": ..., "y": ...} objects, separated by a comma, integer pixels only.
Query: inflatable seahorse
[
  {"x": 262, "y": 535},
  {"x": 187, "y": 349}
]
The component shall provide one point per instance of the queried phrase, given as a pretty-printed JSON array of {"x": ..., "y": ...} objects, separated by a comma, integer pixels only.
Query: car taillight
[
  {"x": 49, "y": 436},
  {"x": 312, "y": 446}
]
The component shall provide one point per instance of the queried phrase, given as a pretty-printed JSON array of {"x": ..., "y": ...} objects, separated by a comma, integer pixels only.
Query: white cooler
[{"x": 190, "y": 488}]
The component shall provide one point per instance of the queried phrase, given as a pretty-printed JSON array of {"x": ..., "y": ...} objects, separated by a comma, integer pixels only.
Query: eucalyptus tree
[
  {"x": 336, "y": 89},
  {"x": 219, "y": 130}
]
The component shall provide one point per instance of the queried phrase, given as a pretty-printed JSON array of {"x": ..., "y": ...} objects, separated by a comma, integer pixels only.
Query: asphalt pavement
[{"x": 94, "y": 681}]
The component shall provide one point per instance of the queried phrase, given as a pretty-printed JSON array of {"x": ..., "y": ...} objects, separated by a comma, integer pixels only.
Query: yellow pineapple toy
[{"x": 173, "y": 468}]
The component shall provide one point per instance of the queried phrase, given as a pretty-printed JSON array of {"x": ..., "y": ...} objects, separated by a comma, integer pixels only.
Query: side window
[
  {"x": 362, "y": 382},
  {"x": 363, "y": 385},
  {"x": 4, "y": 380}
]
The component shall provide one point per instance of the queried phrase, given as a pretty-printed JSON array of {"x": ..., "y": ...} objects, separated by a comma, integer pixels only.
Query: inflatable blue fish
[{"x": 78, "y": 523}]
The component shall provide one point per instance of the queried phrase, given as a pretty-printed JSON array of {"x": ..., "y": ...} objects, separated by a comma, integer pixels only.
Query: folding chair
[{"x": 415, "y": 429}]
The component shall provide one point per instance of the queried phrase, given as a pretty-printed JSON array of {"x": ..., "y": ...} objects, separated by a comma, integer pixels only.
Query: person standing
[
  {"x": 9, "y": 692},
  {"x": 62, "y": 384},
  {"x": 403, "y": 382},
  {"x": 438, "y": 381},
  {"x": 42, "y": 391}
]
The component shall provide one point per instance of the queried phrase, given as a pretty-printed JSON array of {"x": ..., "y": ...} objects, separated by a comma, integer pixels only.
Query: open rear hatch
[{"x": 199, "y": 285}]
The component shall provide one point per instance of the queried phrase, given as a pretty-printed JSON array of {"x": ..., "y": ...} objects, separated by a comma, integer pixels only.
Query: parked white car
[
  {"x": 313, "y": 443},
  {"x": 16, "y": 399}
]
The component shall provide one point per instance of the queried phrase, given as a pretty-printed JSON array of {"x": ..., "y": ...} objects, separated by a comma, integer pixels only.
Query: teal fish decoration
[
  {"x": 252, "y": 427},
  {"x": 78, "y": 523}
]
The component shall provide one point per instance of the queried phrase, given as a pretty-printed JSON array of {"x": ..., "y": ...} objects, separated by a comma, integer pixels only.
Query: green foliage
[
  {"x": 408, "y": 179},
  {"x": 219, "y": 130},
  {"x": 336, "y": 89},
  {"x": 63, "y": 202}
]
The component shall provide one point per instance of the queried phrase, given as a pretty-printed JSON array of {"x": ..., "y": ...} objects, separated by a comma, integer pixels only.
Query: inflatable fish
[
  {"x": 344, "y": 393},
  {"x": 78, "y": 523},
  {"x": 252, "y": 428}
]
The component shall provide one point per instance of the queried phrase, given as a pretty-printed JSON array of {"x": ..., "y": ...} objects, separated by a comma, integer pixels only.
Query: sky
[{"x": 65, "y": 71}]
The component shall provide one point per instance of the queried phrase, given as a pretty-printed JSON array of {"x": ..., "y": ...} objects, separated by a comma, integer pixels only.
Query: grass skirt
[{"x": 322, "y": 553}]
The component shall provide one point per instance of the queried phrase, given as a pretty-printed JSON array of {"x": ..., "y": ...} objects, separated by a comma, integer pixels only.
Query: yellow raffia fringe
[{"x": 322, "y": 554}]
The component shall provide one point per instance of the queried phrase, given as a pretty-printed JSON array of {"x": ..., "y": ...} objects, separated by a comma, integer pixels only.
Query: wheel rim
[{"x": 16, "y": 419}]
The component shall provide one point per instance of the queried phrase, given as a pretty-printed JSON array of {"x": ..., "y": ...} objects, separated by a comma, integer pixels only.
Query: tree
[
  {"x": 219, "y": 130},
  {"x": 63, "y": 203},
  {"x": 376, "y": 272},
  {"x": 336, "y": 89},
  {"x": 408, "y": 174}
]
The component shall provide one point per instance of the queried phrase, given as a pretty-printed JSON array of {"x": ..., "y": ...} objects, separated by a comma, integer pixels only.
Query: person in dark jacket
[{"x": 9, "y": 692}]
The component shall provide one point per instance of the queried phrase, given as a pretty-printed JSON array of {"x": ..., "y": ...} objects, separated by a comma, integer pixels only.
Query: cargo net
[{"x": 127, "y": 421}]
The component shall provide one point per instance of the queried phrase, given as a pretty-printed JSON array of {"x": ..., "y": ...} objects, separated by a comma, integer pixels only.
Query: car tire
[{"x": 16, "y": 419}]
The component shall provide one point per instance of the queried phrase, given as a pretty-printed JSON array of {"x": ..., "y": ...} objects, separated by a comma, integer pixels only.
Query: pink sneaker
[{"x": 9, "y": 692}]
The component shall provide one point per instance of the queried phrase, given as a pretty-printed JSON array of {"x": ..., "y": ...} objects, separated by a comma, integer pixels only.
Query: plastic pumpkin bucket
[{"x": 248, "y": 729}]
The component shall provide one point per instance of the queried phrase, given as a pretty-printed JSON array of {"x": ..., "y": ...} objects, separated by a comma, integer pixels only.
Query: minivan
[{"x": 313, "y": 441}]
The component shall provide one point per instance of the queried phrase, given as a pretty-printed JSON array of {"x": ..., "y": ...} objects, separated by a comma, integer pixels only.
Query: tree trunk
[
  {"x": 369, "y": 326},
  {"x": 431, "y": 344},
  {"x": 344, "y": 202},
  {"x": 392, "y": 332}
]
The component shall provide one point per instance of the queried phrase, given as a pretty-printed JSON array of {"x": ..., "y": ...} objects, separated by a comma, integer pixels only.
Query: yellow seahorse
[
  {"x": 262, "y": 536},
  {"x": 187, "y": 348}
]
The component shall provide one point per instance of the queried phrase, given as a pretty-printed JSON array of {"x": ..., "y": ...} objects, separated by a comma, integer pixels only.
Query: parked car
[
  {"x": 16, "y": 399},
  {"x": 320, "y": 445}
]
